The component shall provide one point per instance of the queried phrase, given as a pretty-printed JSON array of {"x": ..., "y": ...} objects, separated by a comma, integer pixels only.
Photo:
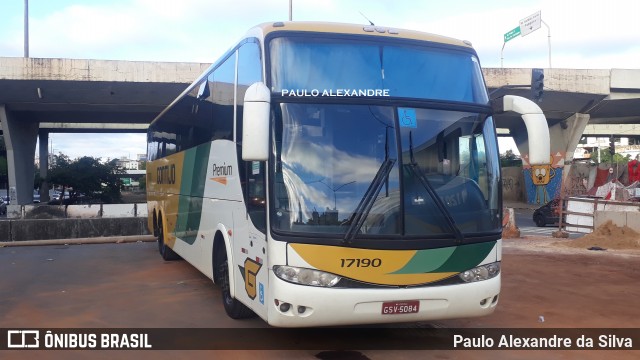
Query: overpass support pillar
[
  {"x": 20, "y": 139},
  {"x": 43, "y": 140},
  {"x": 566, "y": 136}
]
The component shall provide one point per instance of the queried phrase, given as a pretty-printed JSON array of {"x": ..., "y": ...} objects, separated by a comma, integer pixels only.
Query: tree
[
  {"x": 510, "y": 159},
  {"x": 88, "y": 177},
  {"x": 142, "y": 183},
  {"x": 607, "y": 158}
]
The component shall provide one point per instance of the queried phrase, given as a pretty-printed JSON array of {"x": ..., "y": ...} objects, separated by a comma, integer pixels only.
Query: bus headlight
[
  {"x": 482, "y": 272},
  {"x": 305, "y": 276}
]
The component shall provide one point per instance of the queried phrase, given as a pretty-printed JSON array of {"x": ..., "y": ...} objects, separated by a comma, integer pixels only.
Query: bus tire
[
  {"x": 234, "y": 308},
  {"x": 165, "y": 251}
]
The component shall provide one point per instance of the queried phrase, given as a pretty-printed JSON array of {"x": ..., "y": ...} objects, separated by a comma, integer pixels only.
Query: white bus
[{"x": 333, "y": 174}]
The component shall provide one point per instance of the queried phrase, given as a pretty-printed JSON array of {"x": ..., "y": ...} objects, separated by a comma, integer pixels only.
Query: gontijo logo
[
  {"x": 166, "y": 174},
  {"x": 220, "y": 173}
]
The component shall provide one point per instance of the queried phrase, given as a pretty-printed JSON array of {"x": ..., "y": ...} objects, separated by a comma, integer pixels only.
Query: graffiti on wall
[
  {"x": 508, "y": 184},
  {"x": 578, "y": 180}
]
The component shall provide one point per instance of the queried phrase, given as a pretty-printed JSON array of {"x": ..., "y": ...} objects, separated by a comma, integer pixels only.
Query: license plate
[{"x": 400, "y": 307}]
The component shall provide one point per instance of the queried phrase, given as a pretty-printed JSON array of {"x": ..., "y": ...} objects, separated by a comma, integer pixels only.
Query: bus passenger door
[{"x": 250, "y": 245}]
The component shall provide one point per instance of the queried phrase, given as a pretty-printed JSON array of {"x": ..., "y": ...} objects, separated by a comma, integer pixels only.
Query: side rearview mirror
[{"x": 255, "y": 123}]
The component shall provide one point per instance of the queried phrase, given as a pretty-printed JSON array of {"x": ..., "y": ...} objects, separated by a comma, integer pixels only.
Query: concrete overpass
[{"x": 38, "y": 96}]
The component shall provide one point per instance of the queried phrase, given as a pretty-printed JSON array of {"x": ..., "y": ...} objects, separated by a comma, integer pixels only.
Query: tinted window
[
  {"x": 405, "y": 70},
  {"x": 252, "y": 173},
  {"x": 249, "y": 72},
  {"x": 222, "y": 98}
]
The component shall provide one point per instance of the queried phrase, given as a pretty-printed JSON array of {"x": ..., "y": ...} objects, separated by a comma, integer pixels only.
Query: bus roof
[{"x": 357, "y": 29}]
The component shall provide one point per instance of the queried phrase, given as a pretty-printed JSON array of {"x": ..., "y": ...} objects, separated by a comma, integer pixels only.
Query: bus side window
[
  {"x": 253, "y": 179},
  {"x": 222, "y": 99},
  {"x": 249, "y": 72},
  {"x": 152, "y": 147}
]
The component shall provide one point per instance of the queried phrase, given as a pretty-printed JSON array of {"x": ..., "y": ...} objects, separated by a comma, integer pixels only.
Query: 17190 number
[{"x": 360, "y": 262}]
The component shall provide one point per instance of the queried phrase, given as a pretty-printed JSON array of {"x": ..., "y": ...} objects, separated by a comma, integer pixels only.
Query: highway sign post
[
  {"x": 508, "y": 36},
  {"x": 527, "y": 25},
  {"x": 531, "y": 23},
  {"x": 512, "y": 34}
]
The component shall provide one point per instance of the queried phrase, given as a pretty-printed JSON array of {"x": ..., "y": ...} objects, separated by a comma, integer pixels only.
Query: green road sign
[{"x": 512, "y": 34}]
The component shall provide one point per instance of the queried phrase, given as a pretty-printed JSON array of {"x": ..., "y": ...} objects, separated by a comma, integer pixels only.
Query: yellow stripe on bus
[{"x": 366, "y": 265}]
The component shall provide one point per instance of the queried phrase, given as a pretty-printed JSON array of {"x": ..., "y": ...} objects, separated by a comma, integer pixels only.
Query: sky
[{"x": 585, "y": 34}]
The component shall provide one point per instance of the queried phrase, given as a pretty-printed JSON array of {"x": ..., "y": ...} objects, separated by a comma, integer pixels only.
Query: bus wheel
[
  {"x": 234, "y": 308},
  {"x": 166, "y": 252}
]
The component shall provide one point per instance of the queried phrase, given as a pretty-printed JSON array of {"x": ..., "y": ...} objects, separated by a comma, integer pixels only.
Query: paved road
[
  {"x": 129, "y": 286},
  {"x": 524, "y": 221}
]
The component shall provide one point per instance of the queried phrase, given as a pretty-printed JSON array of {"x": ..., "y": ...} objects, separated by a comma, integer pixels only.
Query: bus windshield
[
  {"x": 433, "y": 175},
  {"x": 300, "y": 64}
]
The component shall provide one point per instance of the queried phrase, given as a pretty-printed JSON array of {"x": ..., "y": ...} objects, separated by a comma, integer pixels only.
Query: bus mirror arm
[{"x": 255, "y": 123}]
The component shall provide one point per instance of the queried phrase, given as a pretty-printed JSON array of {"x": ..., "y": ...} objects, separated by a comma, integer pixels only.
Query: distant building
[
  {"x": 52, "y": 160},
  {"x": 128, "y": 164}
]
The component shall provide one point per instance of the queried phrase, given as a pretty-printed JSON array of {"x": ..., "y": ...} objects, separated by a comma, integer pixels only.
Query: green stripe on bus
[
  {"x": 425, "y": 261},
  {"x": 467, "y": 257},
  {"x": 450, "y": 259},
  {"x": 194, "y": 178}
]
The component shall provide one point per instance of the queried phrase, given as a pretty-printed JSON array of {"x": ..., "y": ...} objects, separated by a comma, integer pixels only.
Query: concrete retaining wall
[
  {"x": 512, "y": 184},
  {"x": 5, "y": 230},
  {"x": 619, "y": 218},
  {"x": 45, "y": 229},
  {"x": 46, "y": 222}
]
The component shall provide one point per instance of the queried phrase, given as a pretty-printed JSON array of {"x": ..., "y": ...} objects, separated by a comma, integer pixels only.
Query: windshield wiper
[
  {"x": 366, "y": 203},
  {"x": 432, "y": 192}
]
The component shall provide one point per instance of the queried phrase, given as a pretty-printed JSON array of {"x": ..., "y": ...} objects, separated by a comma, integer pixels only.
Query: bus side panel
[
  {"x": 251, "y": 265},
  {"x": 178, "y": 192},
  {"x": 222, "y": 174},
  {"x": 223, "y": 191},
  {"x": 164, "y": 177}
]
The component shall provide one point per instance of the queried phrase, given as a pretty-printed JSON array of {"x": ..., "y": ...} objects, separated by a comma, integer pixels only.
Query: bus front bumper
[{"x": 293, "y": 305}]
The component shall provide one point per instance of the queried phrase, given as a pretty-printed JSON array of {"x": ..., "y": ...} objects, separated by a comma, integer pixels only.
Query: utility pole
[
  {"x": 26, "y": 28},
  {"x": 290, "y": 10}
]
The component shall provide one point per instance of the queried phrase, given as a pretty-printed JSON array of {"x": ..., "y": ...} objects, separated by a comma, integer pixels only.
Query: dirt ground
[
  {"x": 608, "y": 236},
  {"x": 549, "y": 284},
  {"x": 545, "y": 285}
]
